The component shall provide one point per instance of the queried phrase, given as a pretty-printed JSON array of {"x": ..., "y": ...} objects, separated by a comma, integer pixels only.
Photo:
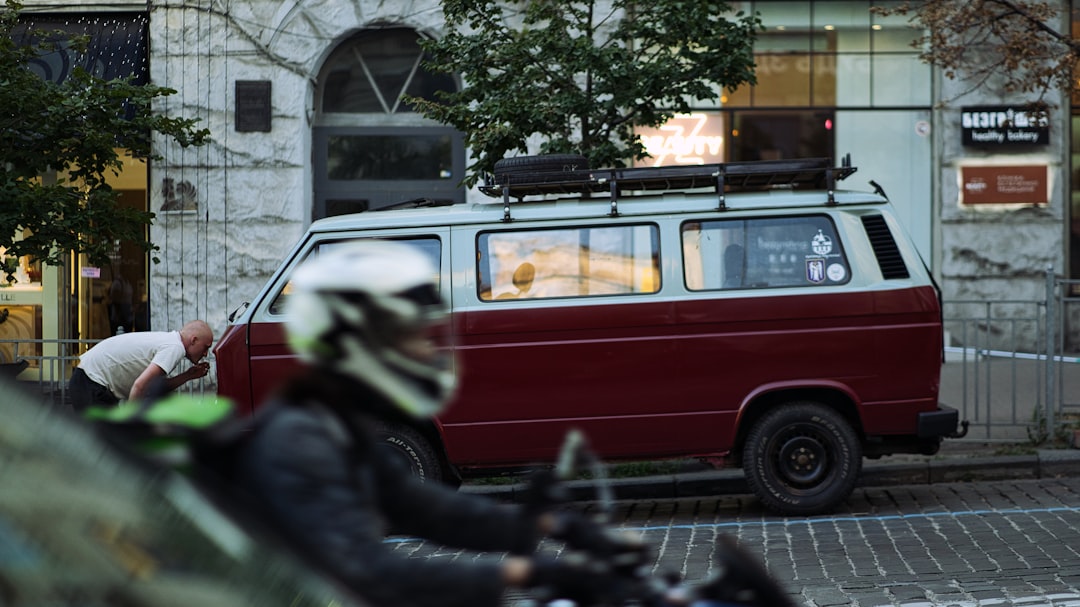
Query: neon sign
[{"x": 696, "y": 138}]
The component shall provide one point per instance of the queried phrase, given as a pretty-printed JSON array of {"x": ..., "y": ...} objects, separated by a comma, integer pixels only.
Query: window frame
[
  {"x": 829, "y": 272},
  {"x": 486, "y": 288}
]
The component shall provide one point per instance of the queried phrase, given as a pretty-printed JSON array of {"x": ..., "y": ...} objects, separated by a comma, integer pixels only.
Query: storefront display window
[
  {"x": 780, "y": 135},
  {"x": 48, "y": 314}
]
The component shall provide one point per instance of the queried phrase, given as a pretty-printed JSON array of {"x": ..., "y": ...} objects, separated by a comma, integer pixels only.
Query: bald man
[{"x": 123, "y": 367}]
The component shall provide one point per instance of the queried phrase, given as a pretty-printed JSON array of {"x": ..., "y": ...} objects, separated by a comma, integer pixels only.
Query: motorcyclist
[{"x": 363, "y": 316}]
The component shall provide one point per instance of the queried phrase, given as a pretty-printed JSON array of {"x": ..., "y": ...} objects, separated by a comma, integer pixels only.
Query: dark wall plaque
[{"x": 253, "y": 106}]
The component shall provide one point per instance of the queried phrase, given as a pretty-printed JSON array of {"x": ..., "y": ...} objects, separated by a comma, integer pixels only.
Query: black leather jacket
[{"x": 311, "y": 463}]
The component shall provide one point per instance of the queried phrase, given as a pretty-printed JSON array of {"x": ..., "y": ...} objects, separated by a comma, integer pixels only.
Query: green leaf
[
  {"x": 580, "y": 75},
  {"x": 74, "y": 126}
]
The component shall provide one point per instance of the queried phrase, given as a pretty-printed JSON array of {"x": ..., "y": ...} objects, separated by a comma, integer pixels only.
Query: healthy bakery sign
[{"x": 1003, "y": 125}]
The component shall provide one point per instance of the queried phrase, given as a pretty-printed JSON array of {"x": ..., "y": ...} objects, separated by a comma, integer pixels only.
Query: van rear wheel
[
  {"x": 802, "y": 458},
  {"x": 412, "y": 450}
]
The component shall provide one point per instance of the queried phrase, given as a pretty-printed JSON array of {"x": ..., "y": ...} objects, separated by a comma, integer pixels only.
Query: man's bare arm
[{"x": 147, "y": 378}]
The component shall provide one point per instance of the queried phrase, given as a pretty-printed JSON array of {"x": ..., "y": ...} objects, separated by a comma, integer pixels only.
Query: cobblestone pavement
[{"x": 1009, "y": 543}]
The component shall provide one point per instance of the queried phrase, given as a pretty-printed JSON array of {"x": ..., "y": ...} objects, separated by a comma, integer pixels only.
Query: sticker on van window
[
  {"x": 836, "y": 272},
  {"x": 815, "y": 270},
  {"x": 821, "y": 244}
]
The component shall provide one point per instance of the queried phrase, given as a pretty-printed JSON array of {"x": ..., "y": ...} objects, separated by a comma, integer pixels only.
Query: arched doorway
[{"x": 370, "y": 149}]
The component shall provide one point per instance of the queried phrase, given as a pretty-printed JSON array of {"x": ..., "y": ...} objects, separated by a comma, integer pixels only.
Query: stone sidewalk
[{"x": 955, "y": 462}]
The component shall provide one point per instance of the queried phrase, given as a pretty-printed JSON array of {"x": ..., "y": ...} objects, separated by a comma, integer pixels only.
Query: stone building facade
[
  {"x": 269, "y": 78},
  {"x": 253, "y": 189}
]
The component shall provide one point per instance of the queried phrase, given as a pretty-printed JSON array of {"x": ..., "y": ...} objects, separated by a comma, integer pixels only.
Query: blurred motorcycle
[{"x": 625, "y": 576}]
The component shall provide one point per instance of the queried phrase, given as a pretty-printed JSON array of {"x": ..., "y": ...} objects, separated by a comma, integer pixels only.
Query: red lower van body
[{"x": 661, "y": 378}]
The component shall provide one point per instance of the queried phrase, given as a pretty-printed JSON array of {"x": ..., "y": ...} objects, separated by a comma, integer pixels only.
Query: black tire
[
  {"x": 413, "y": 450},
  {"x": 802, "y": 458},
  {"x": 545, "y": 163}
]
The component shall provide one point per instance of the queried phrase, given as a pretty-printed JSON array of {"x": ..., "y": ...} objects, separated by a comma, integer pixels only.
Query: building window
[
  {"x": 84, "y": 302},
  {"x": 371, "y": 73},
  {"x": 391, "y": 157},
  {"x": 371, "y": 150},
  {"x": 776, "y": 135},
  {"x": 823, "y": 54}
]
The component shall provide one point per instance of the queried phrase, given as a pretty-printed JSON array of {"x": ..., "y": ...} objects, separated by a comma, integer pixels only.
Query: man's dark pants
[{"x": 85, "y": 392}]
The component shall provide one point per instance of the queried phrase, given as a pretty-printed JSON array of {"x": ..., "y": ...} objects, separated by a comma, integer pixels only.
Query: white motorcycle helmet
[{"x": 371, "y": 310}]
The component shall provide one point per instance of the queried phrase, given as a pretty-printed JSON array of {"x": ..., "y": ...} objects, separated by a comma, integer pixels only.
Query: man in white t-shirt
[{"x": 125, "y": 366}]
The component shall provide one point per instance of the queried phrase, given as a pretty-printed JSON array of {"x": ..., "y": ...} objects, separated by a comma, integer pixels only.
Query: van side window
[
  {"x": 568, "y": 262},
  {"x": 763, "y": 253},
  {"x": 430, "y": 246}
]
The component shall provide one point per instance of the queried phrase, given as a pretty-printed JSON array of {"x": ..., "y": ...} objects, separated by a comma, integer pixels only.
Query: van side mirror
[{"x": 239, "y": 310}]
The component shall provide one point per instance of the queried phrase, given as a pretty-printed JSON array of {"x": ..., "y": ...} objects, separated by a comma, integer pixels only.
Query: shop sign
[
  {"x": 1004, "y": 185},
  {"x": 1003, "y": 125},
  {"x": 696, "y": 138}
]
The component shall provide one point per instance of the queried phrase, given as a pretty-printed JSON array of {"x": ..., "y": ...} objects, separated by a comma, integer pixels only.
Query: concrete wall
[{"x": 999, "y": 252}]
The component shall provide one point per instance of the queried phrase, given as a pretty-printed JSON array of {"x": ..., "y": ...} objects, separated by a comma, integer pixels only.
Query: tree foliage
[
  {"x": 1014, "y": 44},
  {"x": 581, "y": 74},
  {"x": 74, "y": 128}
]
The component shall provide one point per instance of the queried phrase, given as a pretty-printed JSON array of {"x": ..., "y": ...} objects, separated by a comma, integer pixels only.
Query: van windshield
[{"x": 428, "y": 245}]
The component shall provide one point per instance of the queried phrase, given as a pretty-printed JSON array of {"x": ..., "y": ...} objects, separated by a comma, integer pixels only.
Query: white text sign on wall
[{"x": 1003, "y": 125}]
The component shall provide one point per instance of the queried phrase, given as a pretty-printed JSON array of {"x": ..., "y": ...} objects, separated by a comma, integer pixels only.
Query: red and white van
[{"x": 745, "y": 313}]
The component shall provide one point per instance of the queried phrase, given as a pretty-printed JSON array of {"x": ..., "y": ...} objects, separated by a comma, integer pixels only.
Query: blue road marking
[{"x": 830, "y": 520}]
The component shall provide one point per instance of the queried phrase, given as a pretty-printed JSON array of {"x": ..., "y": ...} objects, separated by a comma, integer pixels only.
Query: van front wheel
[
  {"x": 802, "y": 458},
  {"x": 409, "y": 447}
]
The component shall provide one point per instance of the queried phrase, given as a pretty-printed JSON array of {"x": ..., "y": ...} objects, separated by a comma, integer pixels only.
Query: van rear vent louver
[{"x": 888, "y": 255}]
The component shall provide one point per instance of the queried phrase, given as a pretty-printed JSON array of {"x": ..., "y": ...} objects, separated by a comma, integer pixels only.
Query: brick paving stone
[
  {"x": 947, "y": 599},
  {"x": 826, "y": 597},
  {"x": 1013, "y": 543},
  {"x": 855, "y": 585},
  {"x": 908, "y": 591},
  {"x": 870, "y": 598}
]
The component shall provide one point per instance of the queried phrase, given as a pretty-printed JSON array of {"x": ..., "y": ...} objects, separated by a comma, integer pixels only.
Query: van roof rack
[{"x": 814, "y": 173}]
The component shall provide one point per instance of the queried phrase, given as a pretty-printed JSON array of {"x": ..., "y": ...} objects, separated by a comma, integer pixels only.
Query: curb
[{"x": 1045, "y": 463}]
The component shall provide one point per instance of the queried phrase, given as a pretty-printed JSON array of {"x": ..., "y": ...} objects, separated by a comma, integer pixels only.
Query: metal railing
[
  {"x": 1009, "y": 364},
  {"x": 50, "y": 362}
]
